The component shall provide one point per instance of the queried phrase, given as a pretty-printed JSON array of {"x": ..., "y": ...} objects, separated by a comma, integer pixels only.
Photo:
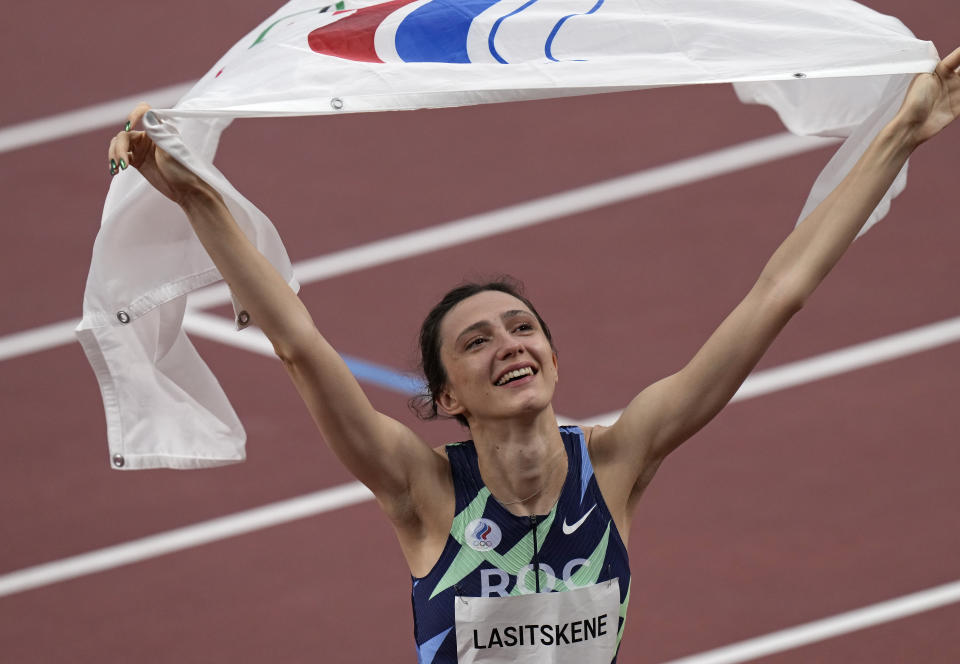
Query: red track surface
[{"x": 788, "y": 508}]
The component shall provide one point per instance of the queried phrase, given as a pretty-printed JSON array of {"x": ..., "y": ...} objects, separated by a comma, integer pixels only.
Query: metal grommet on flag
[
  {"x": 118, "y": 460},
  {"x": 336, "y": 103},
  {"x": 123, "y": 317},
  {"x": 243, "y": 318}
]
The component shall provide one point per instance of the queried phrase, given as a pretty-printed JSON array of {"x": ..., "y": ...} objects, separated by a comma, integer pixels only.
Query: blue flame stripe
[
  {"x": 496, "y": 27},
  {"x": 548, "y": 49}
]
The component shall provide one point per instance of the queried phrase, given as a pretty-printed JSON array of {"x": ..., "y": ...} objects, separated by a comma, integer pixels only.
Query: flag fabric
[{"x": 828, "y": 67}]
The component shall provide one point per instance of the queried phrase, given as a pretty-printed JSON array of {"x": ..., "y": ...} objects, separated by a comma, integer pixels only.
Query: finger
[
  {"x": 123, "y": 150},
  {"x": 113, "y": 157},
  {"x": 138, "y": 112},
  {"x": 117, "y": 153},
  {"x": 949, "y": 64}
]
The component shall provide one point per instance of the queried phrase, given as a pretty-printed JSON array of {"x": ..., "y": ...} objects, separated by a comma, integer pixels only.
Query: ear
[
  {"x": 556, "y": 365},
  {"x": 449, "y": 404}
]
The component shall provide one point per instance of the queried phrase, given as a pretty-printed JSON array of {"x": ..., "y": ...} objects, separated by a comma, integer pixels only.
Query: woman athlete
[{"x": 515, "y": 540}]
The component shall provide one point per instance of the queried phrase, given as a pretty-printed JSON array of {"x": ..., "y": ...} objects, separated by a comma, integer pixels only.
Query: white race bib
[{"x": 573, "y": 627}]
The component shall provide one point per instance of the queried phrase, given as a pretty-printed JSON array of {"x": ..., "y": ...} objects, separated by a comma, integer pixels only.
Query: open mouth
[{"x": 516, "y": 374}]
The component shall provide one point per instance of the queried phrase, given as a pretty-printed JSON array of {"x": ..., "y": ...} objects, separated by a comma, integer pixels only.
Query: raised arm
[
  {"x": 668, "y": 412},
  {"x": 382, "y": 453}
]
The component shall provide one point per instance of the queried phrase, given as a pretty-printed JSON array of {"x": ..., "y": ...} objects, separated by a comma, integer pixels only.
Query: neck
[{"x": 523, "y": 462}]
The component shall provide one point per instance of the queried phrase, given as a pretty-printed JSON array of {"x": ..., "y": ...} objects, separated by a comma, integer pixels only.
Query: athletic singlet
[{"x": 493, "y": 553}]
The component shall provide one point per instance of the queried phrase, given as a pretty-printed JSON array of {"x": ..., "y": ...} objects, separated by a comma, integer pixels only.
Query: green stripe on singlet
[
  {"x": 623, "y": 612},
  {"x": 467, "y": 560}
]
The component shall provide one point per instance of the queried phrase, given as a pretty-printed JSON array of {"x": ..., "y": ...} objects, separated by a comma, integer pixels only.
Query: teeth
[{"x": 526, "y": 371}]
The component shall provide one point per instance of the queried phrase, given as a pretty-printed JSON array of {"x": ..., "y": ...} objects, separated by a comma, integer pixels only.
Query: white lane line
[
  {"x": 224, "y": 330},
  {"x": 37, "y": 339},
  {"x": 539, "y": 210},
  {"x": 111, "y": 113},
  {"x": 835, "y": 362},
  {"x": 826, "y": 628},
  {"x": 442, "y": 236},
  {"x": 178, "y": 539}
]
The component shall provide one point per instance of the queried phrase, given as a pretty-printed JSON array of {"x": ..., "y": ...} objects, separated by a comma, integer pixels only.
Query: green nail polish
[
  {"x": 110, "y": 168},
  {"x": 113, "y": 165},
  {"x": 123, "y": 164},
  {"x": 127, "y": 126}
]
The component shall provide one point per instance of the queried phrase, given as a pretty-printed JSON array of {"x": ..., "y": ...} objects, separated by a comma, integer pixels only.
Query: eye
[
  {"x": 475, "y": 343},
  {"x": 523, "y": 327}
]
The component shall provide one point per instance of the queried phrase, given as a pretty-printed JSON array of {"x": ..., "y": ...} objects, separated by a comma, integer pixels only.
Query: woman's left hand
[{"x": 933, "y": 100}]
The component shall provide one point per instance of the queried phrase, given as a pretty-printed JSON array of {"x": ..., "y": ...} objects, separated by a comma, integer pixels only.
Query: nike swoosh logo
[{"x": 570, "y": 529}]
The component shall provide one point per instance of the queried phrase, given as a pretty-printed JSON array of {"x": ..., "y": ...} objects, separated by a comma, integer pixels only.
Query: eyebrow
[{"x": 484, "y": 324}]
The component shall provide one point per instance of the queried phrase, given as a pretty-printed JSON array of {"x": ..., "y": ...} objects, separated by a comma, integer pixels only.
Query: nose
[{"x": 509, "y": 348}]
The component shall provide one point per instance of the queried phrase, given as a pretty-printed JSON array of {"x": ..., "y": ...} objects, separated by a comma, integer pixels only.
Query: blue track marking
[{"x": 385, "y": 377}]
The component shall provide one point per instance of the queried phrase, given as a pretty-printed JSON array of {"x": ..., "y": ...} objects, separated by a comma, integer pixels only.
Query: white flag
[{"x": 828, "y": 67}]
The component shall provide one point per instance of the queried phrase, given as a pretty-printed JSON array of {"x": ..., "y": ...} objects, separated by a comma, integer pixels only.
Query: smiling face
[{"x": 498, "y": 360}]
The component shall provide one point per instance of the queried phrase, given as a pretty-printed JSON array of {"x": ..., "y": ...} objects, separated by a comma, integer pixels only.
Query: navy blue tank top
[{"x": 491, "y": 552}]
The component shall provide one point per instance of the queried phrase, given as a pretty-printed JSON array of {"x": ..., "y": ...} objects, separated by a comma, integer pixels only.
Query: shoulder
[{"x": 595, "y": 438}]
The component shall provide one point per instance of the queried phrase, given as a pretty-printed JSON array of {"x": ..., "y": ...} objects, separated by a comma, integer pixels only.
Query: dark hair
[{"x": 425, "y": 405}]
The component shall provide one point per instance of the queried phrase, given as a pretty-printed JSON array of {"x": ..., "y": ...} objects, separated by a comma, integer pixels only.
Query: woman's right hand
[{"x": 166, "y": 174}]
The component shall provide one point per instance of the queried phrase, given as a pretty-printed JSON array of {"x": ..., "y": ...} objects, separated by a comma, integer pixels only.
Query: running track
[{"x": 793, "y": 506}]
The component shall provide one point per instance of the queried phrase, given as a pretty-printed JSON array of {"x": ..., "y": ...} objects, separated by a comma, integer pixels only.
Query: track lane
[
  {"x": 69, "y": 55},
  {"x": 59, "y": 473},
  {"x": 928, "y": 637}
]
